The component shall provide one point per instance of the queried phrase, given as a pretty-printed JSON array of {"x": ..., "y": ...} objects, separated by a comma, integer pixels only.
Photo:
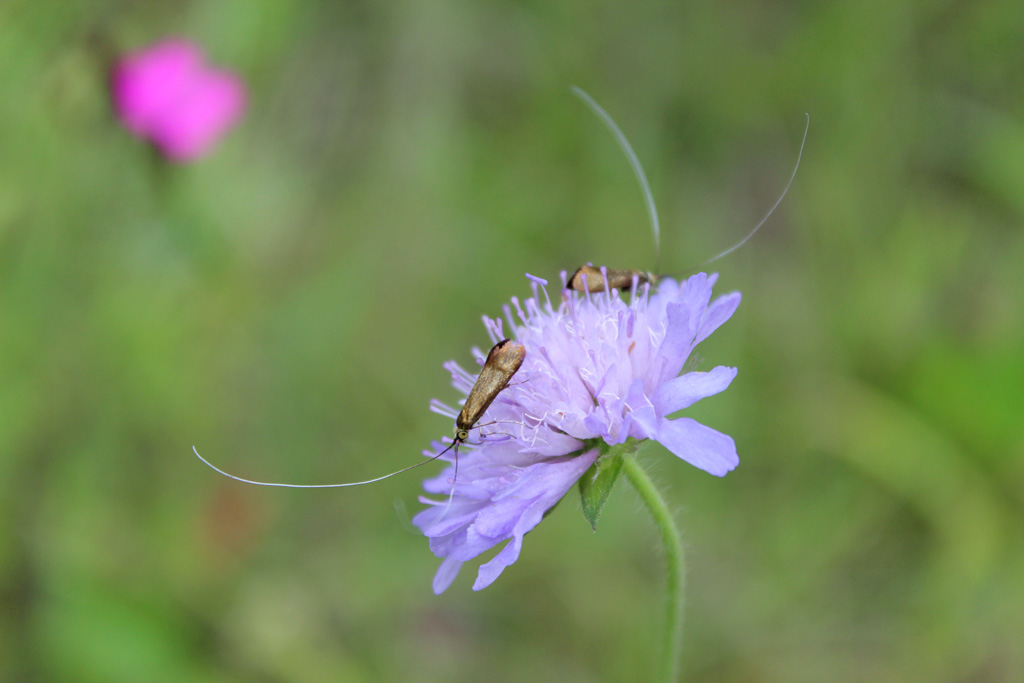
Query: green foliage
[
  {"x": 597, "y": 483},
  {"x": 286, "y": 305}
]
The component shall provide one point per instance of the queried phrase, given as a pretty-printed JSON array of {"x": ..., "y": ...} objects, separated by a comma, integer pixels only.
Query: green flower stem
[{"x": 676, "y": 566}]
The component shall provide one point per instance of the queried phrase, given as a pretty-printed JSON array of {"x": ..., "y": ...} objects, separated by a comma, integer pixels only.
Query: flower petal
[
  {"x": 548, "y": 487},
  {"x": 678, "y": 342},
  {"x": 717, "y": 313},
  {"x": 648, "y": 423},
  {"x": 684, "y": 391},
  {"x": 213, "y": 104},
  {"x": 146, "y": 83},
  {"x": 698, "y": 445},
  {"x": 489, "y": 571},
  {"x": 446, "y": 573},
  {"x": 685, "y": 315}
]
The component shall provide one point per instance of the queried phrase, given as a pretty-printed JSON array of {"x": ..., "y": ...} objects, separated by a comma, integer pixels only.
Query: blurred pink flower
[{"x": 168, "y": 95}]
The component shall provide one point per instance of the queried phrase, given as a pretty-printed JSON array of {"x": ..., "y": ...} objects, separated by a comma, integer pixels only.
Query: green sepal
[{"x": 597, "y": 482}]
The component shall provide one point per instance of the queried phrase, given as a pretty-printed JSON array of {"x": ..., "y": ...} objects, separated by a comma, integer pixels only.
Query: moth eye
[{"x": 461, "y": 434}]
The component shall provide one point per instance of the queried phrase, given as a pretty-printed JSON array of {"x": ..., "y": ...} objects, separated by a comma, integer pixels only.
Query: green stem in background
[{"x": 676, "y": 579}]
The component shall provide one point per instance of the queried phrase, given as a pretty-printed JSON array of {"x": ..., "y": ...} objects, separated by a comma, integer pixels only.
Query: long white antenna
[
  {"x": 316, "y": 486},
  {"x": 638, "y": 170},
  {"x": 774, "y": 206}
]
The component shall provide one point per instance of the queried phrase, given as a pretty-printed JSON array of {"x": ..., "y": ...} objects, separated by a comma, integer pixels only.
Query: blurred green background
[{"x": 286, "y": 305}]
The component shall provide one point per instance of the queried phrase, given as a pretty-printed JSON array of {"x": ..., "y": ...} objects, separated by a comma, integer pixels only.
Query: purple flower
[
  {"x": 166, "y": 94},
  {"x": 599, "y": 369}
]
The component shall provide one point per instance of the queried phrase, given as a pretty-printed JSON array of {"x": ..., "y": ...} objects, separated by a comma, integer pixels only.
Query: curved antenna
[
  {"x": 634, "y": 163},
  {"x": 318, "y": 486},
  {"x": 771, "y": 210}
]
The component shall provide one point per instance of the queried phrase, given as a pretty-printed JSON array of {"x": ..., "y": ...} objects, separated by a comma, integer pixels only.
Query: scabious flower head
[
  {"x": 168, "y": 95},
  {"x": 599, "y": 369}
]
